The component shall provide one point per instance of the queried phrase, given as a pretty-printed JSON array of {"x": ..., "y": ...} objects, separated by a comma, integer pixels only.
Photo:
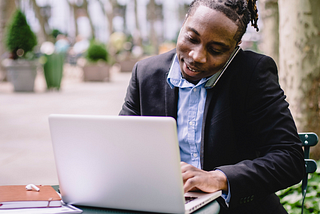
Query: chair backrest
[{"x": 308, "y": 139}]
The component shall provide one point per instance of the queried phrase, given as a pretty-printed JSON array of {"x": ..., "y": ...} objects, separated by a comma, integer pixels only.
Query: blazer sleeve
[
  {"x": 131, "y": 105},
  {"x": 148, "y": 92},
  {"x": 271, "y": 133}
]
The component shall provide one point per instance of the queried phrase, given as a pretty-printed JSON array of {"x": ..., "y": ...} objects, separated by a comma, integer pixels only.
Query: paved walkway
[{"x": 26, "y": 154}]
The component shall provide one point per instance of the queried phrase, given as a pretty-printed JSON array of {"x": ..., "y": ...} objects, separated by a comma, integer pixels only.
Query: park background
[{"x": 131, "y": 30}]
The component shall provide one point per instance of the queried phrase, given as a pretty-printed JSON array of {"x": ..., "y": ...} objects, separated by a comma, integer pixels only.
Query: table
[{"x": 211, "y": 208}]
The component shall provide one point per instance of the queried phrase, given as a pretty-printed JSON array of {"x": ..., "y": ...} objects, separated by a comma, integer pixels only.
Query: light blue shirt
[{"x": 191, "y": 104}]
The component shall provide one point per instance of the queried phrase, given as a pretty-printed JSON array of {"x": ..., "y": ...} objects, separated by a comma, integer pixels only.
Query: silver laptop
[{"x": 121, "y": 162}]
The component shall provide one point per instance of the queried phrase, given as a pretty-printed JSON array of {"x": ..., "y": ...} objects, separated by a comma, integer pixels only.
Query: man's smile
[{"x": 192, "y": 69}]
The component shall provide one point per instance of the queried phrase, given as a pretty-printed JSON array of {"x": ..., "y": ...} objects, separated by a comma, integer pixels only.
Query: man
[{"x": 235, "y": 130}]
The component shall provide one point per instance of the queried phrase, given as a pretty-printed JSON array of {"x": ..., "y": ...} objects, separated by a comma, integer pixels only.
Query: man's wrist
[{"x": 221, "y": 180}]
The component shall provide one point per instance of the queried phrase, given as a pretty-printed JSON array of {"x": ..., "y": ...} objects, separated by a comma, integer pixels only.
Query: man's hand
[{"x": 197, "y": 179}]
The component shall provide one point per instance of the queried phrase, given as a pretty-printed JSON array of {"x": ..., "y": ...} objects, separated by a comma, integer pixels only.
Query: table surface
[{"x": 211, "y": 208}]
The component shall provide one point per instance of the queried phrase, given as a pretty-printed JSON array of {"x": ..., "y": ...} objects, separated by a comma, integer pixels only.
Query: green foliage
[
  {"x": 97, "y": 51},
  {"x": 291, "y": 198},
  {"x": 55, "y": 33},
  {"x": 20, "y": 36}
]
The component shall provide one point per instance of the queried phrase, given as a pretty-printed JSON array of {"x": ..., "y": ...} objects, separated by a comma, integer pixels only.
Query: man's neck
[{"x": 193, "y": 82}]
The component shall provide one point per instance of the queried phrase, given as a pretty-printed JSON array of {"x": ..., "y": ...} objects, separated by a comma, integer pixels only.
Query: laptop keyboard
[{"x": 187, "y": 199}]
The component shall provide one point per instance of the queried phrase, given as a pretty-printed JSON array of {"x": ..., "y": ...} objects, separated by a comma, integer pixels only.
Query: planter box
[
  {"x": 127, "y": 65},
  {"x": 21, "y": 73},
  {"x": 96, "y": 72}
]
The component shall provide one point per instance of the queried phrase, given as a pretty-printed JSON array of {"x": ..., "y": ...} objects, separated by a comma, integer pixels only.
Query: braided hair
[{"x": 241, "y": 12}]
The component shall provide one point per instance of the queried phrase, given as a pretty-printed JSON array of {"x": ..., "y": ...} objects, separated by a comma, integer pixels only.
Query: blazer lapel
[
  {"x": 205, "y": 113},
  {"x": 171, "y": 99}
]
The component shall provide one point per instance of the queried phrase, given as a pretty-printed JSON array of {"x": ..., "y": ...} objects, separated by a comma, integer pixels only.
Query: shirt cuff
[{"x": 226, "y": 195}]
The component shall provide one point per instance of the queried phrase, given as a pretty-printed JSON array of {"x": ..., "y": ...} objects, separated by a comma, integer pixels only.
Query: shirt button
[
  {"x": 194, "y": 90},
  {"x": 190, "y": 123},
  {"x": 195, "y": 155}
]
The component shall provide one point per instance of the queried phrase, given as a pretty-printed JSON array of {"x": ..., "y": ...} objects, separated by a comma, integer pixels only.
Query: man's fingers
[
  {"x": 187, "y": 171},
  {"x": 184, "y": 167},
  {"x": 197, "y": 179},
  {"x": 189, "y": 184},
  {"x": 189, "y": 176}
]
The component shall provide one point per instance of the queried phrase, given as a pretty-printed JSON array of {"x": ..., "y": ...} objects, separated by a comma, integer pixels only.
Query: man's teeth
[{"x": 191, "y": 69}]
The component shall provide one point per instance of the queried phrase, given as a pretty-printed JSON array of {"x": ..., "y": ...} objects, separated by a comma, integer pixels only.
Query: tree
[
  {"x": 269, "y": 13},
  {"x": 107, "y": 10},
  {"x": 154, "y": 13},
  {"x": 6, "y": 10},
  {"x": 110, "y": 15},
  {"x": 43, "y": 21},
  {"x": 2, "y": 27},
  {"x": 137, "y": 34},
  {"x": 111, "y": 8},
  {"x": 79, "y": 8},
  {"x": 85, "y": 6},
  {"x": 299, "y": 31}
]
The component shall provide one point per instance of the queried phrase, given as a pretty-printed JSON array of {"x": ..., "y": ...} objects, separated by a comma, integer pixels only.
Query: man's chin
[{"x": 191, "y": 78}]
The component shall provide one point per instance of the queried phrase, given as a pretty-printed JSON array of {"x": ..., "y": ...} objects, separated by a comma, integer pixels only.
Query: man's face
[{"x": 205, "y": 43}]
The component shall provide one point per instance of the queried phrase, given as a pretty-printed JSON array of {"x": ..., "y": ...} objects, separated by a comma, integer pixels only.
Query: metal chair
[{"x": 308, "y": 139}]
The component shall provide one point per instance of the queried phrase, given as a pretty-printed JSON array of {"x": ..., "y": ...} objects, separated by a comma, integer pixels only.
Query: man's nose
[{"x": 198, "y": 54}]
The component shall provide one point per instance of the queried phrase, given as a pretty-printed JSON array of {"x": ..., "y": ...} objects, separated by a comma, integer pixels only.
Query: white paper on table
[{"x": 50, "y": 210}]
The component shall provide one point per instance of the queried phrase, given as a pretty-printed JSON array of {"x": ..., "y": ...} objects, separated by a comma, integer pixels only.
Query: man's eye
[
  {"x": 191, "y": 39},
  {"x": 214, "y": 51}
]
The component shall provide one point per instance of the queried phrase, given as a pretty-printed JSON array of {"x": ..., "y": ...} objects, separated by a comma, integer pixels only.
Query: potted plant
[
  {"x": 52, "y": 62},
  {"x": 96, "y": 67},
  {"x": 20, "y": 41}
]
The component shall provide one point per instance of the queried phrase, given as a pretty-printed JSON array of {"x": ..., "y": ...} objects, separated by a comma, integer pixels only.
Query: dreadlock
[{"x": 241, "y": 12}]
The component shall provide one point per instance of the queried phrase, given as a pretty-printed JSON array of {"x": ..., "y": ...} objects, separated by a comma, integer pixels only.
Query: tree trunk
[
  {"x": 73, "y": 10},
  {"x": 270, "y": 32},
  {"x": 85, "y": 6},
  {"x": 110, "y": 14},
  {"x": 43, "y": 34},
  {"x": 2, "y": 28},
  {"x": 152, "y": 19},
  {"x": 137, "y": 35},
  {"x": 299, "y": 62},
  {"x": 6, "y": 10}
]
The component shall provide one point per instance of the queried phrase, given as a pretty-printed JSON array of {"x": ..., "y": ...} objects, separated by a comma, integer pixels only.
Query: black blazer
[{"x": 248, "y": 131}]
